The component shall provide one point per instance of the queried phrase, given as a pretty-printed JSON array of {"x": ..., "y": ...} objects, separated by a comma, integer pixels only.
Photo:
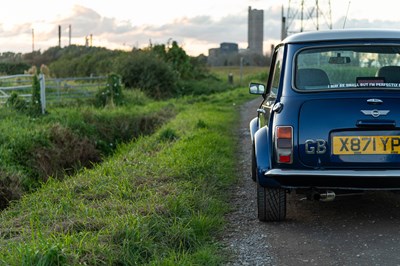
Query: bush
[
  {"x": 146, "y": 71},
  {"x": 79, "y": 61},
  {"x": 12, "y": 68},
  {"x": 111, "y": 95}
]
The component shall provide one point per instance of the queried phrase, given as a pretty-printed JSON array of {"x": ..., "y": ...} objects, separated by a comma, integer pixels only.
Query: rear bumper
[{"x": 334, "y": 179}]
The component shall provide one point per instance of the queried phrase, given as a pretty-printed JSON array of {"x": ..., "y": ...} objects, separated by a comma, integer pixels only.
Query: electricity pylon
[{"x": 306, "y": 15}]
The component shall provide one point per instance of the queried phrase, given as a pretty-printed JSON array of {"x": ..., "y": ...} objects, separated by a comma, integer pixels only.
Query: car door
[{"x": 272, "y": 87}]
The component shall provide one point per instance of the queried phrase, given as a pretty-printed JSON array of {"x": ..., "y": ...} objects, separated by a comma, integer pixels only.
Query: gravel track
[
  {"x": 355, "y": 230},
  {"x": 245, "y": 238}
]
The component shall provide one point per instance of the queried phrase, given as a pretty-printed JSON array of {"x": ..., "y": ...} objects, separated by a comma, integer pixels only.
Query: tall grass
[
  {"x": 67, "y": 139},
  {"x": 159, "y": 200}
]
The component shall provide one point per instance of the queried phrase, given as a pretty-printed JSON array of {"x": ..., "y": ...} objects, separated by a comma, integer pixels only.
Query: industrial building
[
  {"x": 229, "y": 48},
  {"x": 229, "y": 53},
  {"x": 226, "y": 55}
]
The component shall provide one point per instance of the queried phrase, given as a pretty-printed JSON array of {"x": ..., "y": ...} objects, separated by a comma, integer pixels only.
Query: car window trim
[{"x": 327, "y": 45}]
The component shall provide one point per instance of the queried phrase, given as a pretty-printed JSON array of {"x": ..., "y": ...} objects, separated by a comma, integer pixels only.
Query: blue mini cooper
[{"x": 329, "y": 122}]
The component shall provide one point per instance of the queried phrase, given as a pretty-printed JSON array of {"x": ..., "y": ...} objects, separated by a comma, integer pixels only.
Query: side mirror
[{"x": 257, "y": 88}]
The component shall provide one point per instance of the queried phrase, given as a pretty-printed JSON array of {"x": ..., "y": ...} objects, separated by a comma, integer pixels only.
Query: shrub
[
  {"x": 13, "y": 68},
  {"x": 112, "y": 94},
  {"x": 168, "y": 134},
  {"x": 146, "y": 71}
]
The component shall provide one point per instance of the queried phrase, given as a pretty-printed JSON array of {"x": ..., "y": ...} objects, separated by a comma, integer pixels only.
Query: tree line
[{"x": 161, "y": 70}]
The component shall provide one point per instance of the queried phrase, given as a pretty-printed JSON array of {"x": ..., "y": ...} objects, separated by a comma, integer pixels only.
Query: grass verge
[
  {"x": 157, "y": 201},
  {"x": 68, "y": 139}
]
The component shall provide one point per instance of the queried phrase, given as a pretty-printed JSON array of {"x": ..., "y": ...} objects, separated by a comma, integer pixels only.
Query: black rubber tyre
[{"x": 271, "y": 204}]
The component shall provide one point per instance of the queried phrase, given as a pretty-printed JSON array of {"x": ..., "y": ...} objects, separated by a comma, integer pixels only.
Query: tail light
[{"x": 284, "y": 144}]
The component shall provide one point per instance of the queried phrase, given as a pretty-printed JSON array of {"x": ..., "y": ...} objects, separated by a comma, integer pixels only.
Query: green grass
[
  {"x": 242, "y": 77},
  {"x": 159, "y": 200}
]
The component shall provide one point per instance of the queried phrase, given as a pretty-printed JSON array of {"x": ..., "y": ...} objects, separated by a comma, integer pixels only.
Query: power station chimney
[
  {"x": 70, "y": 34},
  {"x": 59, "y": 35}
]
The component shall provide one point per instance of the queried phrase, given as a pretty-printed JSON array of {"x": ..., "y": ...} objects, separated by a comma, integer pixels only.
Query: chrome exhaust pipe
[
  {"x": 324, "y": 197},
  {"x": 327, "y": 196}
]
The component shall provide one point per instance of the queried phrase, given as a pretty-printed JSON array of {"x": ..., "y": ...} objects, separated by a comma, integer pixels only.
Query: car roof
[{"x": 344, "y": 34}]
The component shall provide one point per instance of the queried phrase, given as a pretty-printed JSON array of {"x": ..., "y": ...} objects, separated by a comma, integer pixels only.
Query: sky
[{"x": 196, "y": 25}]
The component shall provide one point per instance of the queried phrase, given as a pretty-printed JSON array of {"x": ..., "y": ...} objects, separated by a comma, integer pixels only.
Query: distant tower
[{"x": 255, "y": 36}]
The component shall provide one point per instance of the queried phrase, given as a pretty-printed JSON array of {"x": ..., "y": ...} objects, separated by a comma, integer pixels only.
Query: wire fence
[
  {"x": 52, "y": 90},
  {"x": 66, "y": 89},
  {"x": 22, "y": 84}
]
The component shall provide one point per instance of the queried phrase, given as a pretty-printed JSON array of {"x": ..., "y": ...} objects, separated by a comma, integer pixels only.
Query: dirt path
[
  {"x": 245, "y": 237},
  {"x": 358, "y": 230}
]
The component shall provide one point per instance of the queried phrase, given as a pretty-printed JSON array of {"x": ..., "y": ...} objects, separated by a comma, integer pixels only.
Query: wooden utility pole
[{"x": 33, "y": 40}]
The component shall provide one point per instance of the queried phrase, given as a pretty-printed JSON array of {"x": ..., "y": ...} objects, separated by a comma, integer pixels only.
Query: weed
[
  {"x": 111, "y": 95},
  {"x": 50, "y": 256},
  {"x": 201, "y": 124},
  {"x": 35, "y": 106},
  {"x": 168, "y": 134}
]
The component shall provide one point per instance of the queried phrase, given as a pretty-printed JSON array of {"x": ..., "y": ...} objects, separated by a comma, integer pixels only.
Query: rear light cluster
[{"x": 284, "y": 144}]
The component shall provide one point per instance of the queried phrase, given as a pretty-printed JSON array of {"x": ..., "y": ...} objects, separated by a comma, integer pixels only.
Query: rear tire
[{"x": 271, "y": 204}]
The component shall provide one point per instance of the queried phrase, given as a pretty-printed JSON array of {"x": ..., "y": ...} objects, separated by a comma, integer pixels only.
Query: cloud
[
  {"x": 200, "y": 31},
  {"x": 230, "y": 28},
  {"x": 272, "y": 23},
  {"x": 20, "y": 29},
  {"x": 366, "y": 23},
  {"x": 201, "y": 28},
  {"x": 196, "y": 34},
  {"x": 86, "y": 21},
  {"x": 207, "y": 31}
]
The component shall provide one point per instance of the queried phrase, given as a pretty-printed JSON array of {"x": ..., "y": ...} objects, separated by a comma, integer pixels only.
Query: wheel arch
[
  {"x": 254, "y": 125},
  {"x": 262, "y": 151}
]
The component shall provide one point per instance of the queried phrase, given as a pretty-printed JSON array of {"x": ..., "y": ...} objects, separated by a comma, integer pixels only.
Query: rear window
[{"x": 348, "y": 68}]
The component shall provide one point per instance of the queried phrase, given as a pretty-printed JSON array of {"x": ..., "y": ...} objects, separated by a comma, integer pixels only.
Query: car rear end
[
  {"x": 346, "y": 133},
  {"x": 333, "y": 124}
]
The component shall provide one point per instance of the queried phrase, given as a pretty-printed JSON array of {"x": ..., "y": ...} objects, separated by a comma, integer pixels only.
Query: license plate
[{"x": 366, "y": 145}]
